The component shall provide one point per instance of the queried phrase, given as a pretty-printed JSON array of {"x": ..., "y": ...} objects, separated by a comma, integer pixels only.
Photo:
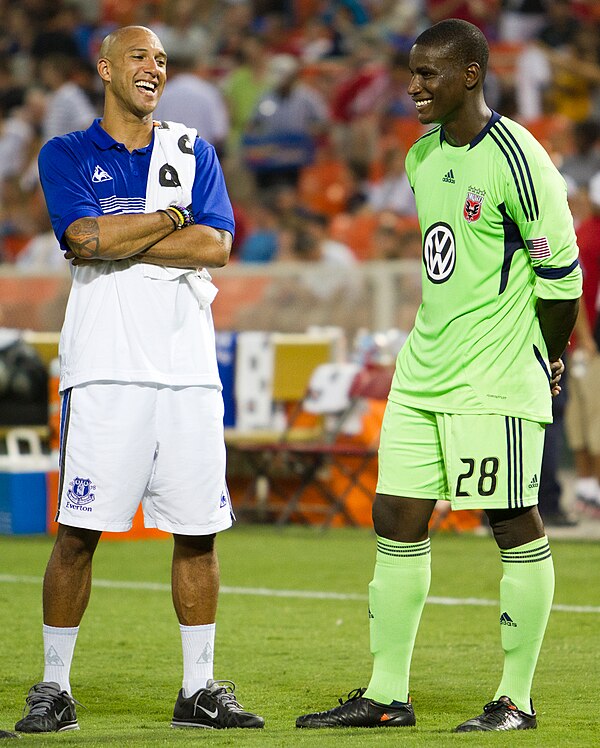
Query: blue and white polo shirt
[{"x": 124, "y": 321}]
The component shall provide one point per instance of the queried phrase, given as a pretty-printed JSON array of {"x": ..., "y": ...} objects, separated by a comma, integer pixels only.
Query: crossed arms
[{"x": 149, "y": 238}]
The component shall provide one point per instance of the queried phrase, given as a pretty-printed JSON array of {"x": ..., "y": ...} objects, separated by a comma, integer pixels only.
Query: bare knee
[
  {"x": 75, "y": 545},
  {"x": 194, "y": 545},
  {"x": 400, "y": 519},
  {"x": 515, "y": 527}
]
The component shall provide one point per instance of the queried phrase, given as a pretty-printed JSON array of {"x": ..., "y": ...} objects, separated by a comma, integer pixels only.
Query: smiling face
[
  {"x": 133, "y": 66},
  {"x": 438, "y": 85}
]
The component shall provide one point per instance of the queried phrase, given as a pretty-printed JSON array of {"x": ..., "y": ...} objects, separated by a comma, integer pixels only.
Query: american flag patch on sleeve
[{"x": 539, "y": 249}]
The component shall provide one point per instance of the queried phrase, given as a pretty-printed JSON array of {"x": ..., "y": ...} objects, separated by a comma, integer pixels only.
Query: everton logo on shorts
[
  {"x": 473, "y": 203},
  {"x": 80, "y": 491}
]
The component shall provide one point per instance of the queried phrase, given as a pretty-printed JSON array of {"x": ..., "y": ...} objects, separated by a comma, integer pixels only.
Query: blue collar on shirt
[
  {"x": 480, "y": 136},
  {"x": 104, "y": 141}
]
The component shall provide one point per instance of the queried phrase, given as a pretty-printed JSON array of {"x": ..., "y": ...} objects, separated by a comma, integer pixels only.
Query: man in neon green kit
[{"x": 473, "y": 384}]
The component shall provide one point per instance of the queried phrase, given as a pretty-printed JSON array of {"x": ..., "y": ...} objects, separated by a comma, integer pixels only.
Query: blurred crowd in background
[{"x": 305, "y": 102}]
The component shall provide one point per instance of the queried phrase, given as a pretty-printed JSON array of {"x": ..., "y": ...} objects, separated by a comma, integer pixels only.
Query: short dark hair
[{"x": 466, "y": 42}]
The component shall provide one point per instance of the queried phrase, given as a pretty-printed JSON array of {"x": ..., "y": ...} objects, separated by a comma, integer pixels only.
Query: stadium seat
[
  {"x": 294, "y": 358},
  {"x": 554, "y": 132},
  {"x": 357, "y": 231},
  {"x": 406, "y": 130},
  {"x": 324, "y": 187},
  {"x": 309, "y": 480},
  {"x": 503, "y": 60},
  {"x": 343, "y": 463}
]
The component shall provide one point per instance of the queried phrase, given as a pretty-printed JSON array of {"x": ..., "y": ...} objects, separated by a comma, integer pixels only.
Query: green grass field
[{"x": 291, "y": 647}]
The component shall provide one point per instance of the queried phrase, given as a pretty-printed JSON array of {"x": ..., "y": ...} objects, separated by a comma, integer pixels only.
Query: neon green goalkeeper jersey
[{"x": 497, "y": 235}]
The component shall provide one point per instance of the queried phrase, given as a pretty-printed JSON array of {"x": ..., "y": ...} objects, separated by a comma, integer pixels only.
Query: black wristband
[{"x": 171, "y": 218}]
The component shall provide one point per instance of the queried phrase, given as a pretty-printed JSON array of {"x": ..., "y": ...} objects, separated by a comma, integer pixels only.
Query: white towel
[
  {"x": 172, "y": 167},
  {"x": 170, "y": 180}
]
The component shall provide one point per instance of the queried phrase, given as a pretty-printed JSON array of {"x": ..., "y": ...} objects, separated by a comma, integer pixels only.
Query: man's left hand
[{"x": 556, "y": 370}]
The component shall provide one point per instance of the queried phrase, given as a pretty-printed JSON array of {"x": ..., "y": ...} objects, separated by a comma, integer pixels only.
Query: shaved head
[
  {"x": 120, "y": 37},
  {"x": 133, "y": 68}
]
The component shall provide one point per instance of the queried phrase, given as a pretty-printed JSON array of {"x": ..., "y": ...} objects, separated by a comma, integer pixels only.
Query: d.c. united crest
[
  {"x": 81, "y": 491},
  {"x": 472, "y": 207}
]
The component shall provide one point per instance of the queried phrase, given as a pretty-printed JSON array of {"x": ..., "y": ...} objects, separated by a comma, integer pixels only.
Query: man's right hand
[{"x": 556, "y": 371}]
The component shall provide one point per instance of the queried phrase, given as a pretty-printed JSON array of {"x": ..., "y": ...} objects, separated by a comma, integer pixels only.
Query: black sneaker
[
  {"x": 500, "y": 715},
  {"x": 357, "y": 711},
  {"x": 7, "y": 734},
  {"x": 50, "y": 710},
  {"x": 214, "y": 707}
]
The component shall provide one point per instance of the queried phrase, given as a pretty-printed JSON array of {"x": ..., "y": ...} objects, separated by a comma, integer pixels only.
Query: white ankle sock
[
  {"x": 198, "y": 644},
  {"x": 59, "y": 644}
]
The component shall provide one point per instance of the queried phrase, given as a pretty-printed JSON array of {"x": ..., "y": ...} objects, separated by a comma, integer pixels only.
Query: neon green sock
[
  {"x": 397, "y": 596},
  {"x": 526, "y": 591}
]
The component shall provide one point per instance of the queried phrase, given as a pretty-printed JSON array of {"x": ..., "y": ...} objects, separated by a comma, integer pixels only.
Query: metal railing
[{"x": 286, "y": 297}]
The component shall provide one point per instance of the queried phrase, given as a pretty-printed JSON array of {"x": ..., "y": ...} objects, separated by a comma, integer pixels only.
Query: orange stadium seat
[
  {"x": 503, "y": 59},
  {"x": 305, "y": 9},
  {"x": 554, "y": 132},
  {"x": 325, "y": 186},
  {"x": 405, "y": 130},
  {"x": 357, "y": 231},
  {"x": 327, "y": 478}
]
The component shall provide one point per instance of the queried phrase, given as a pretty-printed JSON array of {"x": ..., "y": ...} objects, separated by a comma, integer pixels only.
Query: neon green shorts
[{"x": 475, "y": 461}]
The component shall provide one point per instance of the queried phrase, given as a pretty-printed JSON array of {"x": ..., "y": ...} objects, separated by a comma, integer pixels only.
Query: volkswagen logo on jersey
[
  {"x": 439, "y": 252},
  {"x": 80, "y": 491},
  {"x": 168, "y": 176}
]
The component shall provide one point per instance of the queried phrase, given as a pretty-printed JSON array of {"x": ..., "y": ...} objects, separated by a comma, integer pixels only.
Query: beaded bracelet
[{"x": 185, "y": 215}]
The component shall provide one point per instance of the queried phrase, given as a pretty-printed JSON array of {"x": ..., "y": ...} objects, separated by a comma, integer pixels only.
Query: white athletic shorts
[{"x": 124, "y": 443}]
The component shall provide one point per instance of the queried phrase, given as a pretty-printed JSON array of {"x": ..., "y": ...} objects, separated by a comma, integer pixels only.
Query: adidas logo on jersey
[
  {"x": 533, "y": 483},
  {"x": 100, "y": 175},
  {"x": 449, "y": 177},
  {"x": 506, "y": 620}
]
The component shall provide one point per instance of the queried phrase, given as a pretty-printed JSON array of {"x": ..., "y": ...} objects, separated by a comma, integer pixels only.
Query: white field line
[{"x": 302, "y": 594}]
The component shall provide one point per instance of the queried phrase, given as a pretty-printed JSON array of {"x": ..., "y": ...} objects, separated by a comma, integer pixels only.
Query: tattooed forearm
[
  {"x": 225, "y": 236},
  {"x": 83, "y": 237}
]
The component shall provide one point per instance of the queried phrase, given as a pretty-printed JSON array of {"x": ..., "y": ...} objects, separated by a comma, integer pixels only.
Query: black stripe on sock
[
  {"x": 526, "y": 557},
  {"x": 408, "y": 551},
  {"x": 526, "y": 560}
]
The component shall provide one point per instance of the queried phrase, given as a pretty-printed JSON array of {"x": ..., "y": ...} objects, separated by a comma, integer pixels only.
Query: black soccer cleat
[
  {"x": 50, "y": 710},
  {"x": 214, "y": 707},
  {"x": 8, "y": 734},
  {"x": 500, "y": 715},
  {"x": 357, "y": 711}
]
